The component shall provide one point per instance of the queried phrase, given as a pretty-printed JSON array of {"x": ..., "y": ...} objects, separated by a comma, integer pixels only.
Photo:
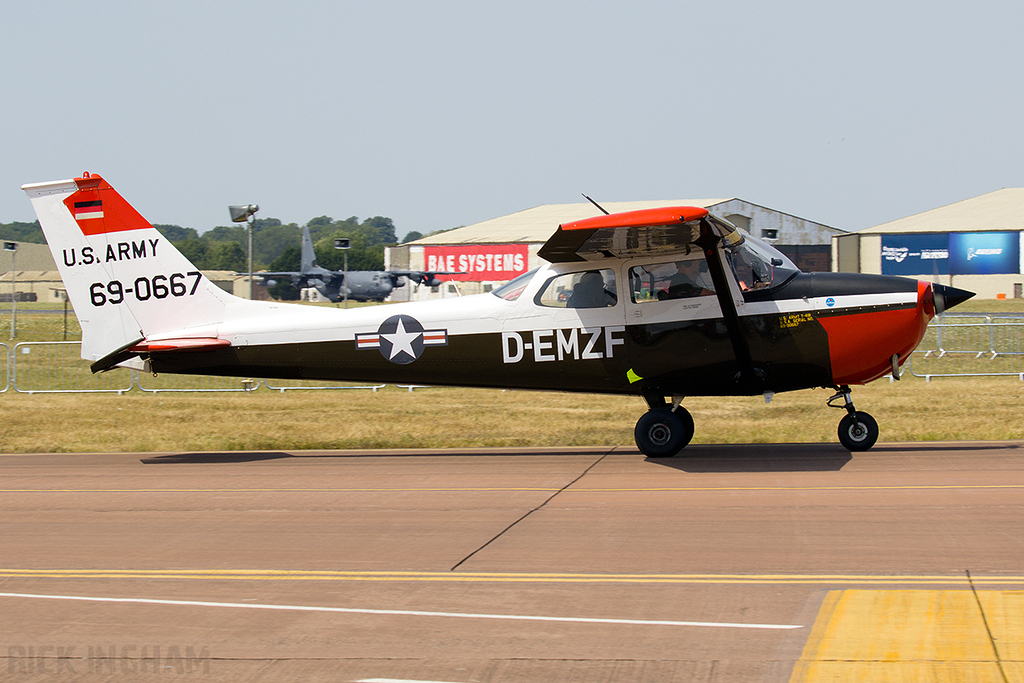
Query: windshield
[
  {"x": 758, "y": 265},
  {"x": 511, "y": 290}
]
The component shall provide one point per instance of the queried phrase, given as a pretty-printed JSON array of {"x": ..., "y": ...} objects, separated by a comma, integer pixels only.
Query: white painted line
[
  {"x": 397, "y": 680},
  {"x": 409, "y": 613}
]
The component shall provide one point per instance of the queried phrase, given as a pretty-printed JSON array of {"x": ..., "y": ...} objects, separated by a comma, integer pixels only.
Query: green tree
[
  {"x": 22, "y": 232},
  {"x": 227, "y": 256},
  {"x": 288, "y": 260},
  {"x": 194, "y": 250},
  {"x": 284, "y": 290},
  {"x": 228, "y": 233},
  {"x": 176, "y": 233}
]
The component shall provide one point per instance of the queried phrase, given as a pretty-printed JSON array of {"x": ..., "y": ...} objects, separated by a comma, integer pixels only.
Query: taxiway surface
[{"x": 794, "y": 562}]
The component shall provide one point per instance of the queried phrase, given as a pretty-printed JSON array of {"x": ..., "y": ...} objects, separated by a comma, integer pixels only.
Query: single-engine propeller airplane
[
  {"x": 358, "y": 285},
  {"x": 662, "y": 303}
]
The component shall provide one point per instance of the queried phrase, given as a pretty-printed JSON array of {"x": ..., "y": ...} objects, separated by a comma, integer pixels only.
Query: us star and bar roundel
[{"x": 401, "y": 339}]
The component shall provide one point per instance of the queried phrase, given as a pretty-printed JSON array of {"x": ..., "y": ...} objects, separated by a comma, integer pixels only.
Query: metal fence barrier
[
  {"x": 954, "y": 345},
  {"x": 57, "y": 367},
  {"x": 51, "y": 367},
  {"x": 284, "y": 385},
  {"x": 5, "y": 383},
  {"x": 971, "y": 345}
]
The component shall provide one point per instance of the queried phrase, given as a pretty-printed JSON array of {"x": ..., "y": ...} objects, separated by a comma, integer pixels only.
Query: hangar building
[
  {"x": 499, "y": 249},
  {"x": 976, "y": 244}
]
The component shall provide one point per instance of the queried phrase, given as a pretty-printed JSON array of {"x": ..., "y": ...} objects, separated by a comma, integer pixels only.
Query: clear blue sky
[{"x": 446, "y": 113}]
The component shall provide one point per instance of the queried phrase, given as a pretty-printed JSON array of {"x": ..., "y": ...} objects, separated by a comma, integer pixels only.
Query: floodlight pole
[
  {"x": 13, "y": 248},
  {"x": 250, "y": 222},
  {"x": 243, "y": 213},
  {"x": 344, "y": 244}
]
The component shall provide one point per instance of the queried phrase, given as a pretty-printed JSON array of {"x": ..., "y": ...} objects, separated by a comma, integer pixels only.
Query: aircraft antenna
[{"x": 594, "y": 203}]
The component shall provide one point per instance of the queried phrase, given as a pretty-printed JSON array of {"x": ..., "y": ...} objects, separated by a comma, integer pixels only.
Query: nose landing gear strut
[{"x": 857, "y": 431}]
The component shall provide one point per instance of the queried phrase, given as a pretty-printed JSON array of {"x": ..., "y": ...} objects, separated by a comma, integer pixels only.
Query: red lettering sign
[{"x": 478, "y": 262}]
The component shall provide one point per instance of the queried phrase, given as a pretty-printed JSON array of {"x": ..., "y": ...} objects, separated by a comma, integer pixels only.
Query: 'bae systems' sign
[{"x": 478, "y": 262}]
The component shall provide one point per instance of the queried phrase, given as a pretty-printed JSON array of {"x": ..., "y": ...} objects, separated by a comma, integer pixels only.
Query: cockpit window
[
  {"x": 759, "y": 266},
  {"x": 511, "y": 290},
  {"x": 589, "y": 289}
]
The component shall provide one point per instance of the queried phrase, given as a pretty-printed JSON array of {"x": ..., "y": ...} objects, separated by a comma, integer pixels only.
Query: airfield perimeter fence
[{"x": 955, "y": 345}]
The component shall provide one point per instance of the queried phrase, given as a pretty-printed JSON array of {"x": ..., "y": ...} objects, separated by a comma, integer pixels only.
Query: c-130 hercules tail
[{"x": 662, "y": 303}]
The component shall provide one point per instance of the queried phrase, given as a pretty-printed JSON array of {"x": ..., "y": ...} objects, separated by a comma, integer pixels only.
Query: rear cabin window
[{"x": 588, "y": 289}]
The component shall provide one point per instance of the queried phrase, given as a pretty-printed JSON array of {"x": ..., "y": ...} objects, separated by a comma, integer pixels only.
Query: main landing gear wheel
[
  {"x": 858, "y": 431},
  {"x": 662, "y": 433}
]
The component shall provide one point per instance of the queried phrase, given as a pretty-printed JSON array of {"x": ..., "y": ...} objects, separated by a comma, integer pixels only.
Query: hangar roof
[
  {"x": 538, "y": 224},
  {"x": 999, "y": 210}
]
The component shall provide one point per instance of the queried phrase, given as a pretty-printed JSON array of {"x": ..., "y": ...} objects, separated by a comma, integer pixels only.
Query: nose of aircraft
[{"x": 947, "y": 297}]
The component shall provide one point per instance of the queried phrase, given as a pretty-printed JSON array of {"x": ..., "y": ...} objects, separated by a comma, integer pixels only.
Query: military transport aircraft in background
[
  {"x": 335, "y": 285},
  {"x": 660, "y": 303}
]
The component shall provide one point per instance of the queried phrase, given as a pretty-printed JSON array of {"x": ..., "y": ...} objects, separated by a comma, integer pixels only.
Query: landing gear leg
[
  {"x": 857, "y": 431},
  {"x": 663, "y": 430}
]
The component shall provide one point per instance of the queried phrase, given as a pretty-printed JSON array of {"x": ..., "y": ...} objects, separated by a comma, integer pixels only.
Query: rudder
[{"x": 125, "y": 280}]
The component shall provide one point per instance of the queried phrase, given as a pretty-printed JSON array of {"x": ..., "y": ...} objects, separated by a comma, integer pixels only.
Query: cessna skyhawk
[{"x": 662, "y": 303}]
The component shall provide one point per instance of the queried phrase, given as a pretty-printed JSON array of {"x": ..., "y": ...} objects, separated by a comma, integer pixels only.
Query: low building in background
[{"x": 976, "y": 244}]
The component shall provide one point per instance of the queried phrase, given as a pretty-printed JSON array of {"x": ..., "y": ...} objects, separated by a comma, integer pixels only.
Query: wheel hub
[{"x": 659, "y": 434}]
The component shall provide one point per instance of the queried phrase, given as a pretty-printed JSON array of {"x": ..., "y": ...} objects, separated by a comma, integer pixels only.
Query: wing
[
  {"x": 629, "y": 234},
  {"x": 424, "y": 277},
  {"x": 293, "y": 274}
]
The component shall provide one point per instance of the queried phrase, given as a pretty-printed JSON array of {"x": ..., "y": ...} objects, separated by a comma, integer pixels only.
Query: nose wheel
[
  {"x": 663, "y": 431},
  {"x": 858, "y": 431}
]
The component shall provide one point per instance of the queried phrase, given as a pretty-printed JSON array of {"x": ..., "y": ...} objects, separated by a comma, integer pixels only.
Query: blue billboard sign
[
  {"x": 915, "y": 254},
  {"x": 984, "y": 253}
]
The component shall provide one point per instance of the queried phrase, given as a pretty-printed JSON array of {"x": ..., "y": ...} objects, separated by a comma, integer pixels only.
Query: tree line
[{"x": 276, "y": 245}]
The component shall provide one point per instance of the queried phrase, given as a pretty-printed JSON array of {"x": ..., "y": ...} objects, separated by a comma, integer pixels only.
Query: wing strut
[{"x": 749, "y": 375}]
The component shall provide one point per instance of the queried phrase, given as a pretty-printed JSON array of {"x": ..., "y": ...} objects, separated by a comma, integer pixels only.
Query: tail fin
[
  {"x": 308, "y": 255},
  {"x": 125, "y": 280}
]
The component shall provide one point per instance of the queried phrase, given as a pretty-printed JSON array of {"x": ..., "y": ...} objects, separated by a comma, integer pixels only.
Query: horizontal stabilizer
[
  {"x": 141, "y": 346},
  {"x": 165, "y": 345}
]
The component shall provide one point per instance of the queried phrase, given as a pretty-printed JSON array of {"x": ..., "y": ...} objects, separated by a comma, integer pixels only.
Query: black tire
[
  {"x": 662, "y": 433},
  {"x": 858, "y": 432}
]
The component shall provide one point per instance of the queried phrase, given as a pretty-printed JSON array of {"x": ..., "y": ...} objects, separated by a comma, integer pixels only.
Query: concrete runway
[{"x": 733, "y": 563}]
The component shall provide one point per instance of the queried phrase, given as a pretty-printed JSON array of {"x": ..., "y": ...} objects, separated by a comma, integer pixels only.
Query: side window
[
  {"x": 589, "y": 289},
  {"x": 671, "y": 280}
]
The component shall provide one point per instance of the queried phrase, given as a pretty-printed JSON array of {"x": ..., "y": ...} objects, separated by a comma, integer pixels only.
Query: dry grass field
[{"x": 909, "y": 410}]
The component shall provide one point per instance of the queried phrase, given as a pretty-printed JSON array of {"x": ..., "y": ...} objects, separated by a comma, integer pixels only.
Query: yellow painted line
[
  {"x": 914, "y": 635},
  {"x": 449, "y": 489},
  {"x": 483, "y": 577},
  {"x": 816, "y": 488}
]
